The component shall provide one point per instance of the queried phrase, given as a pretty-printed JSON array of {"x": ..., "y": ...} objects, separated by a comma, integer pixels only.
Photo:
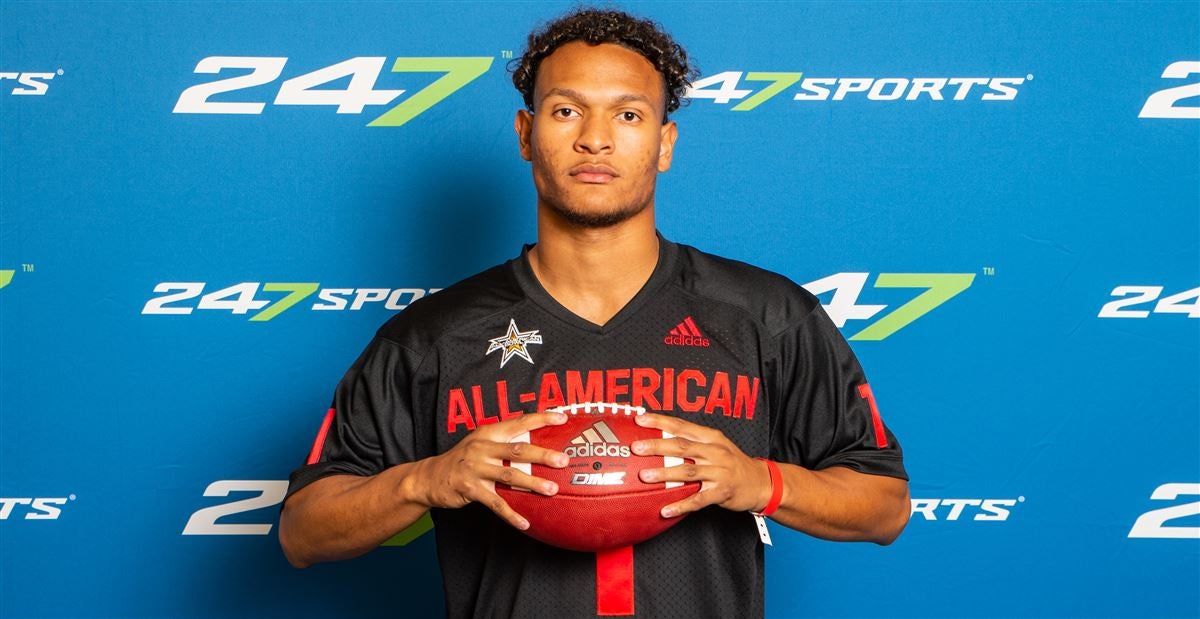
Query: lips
[{"x": 593, "y": 173}]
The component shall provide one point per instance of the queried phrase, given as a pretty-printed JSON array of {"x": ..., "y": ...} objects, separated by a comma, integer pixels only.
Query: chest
[{"x": 675, "y": 357}]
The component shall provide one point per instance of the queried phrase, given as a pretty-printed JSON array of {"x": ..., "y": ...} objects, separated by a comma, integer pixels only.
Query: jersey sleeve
[
  {"x": 827, "y": 413},
  {"x": 369, "y": 426}
]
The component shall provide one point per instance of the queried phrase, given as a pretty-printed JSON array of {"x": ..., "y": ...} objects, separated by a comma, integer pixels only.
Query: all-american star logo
[{"x": 514, "y": 343}]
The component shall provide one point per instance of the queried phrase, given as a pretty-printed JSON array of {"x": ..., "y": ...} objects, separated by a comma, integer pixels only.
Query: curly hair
[{"x": 595, "y": 26}]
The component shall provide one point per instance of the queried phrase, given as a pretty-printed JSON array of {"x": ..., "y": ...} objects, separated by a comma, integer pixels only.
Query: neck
[{"x": 594, "y": 272}]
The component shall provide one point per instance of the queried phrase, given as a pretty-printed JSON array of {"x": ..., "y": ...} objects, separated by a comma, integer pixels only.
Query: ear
[
  {"x": 523, "y": 125},
  {"x": 666, "y": 145}
]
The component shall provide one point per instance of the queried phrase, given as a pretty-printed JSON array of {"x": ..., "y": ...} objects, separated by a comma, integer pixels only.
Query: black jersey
[{"x": 710, "y": 340}]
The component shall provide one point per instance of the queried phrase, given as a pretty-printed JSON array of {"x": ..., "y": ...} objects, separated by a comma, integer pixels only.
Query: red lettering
[
  {"x": 668, "y": 384},
  {"x": 578, "y": 394},
  {"x": 745, "y": 397},
  {"x": 550, "y": 395},
  {"x": 502, "y": 401},
  {"x": 686, "y": 404},
  {"x": 645, "y": 383},
  {"x": 718, "y": 396},
  {"x": 614, "y": 391},
  {"x": 480, "y": 416},
  {"x": 459, "y": 412}
]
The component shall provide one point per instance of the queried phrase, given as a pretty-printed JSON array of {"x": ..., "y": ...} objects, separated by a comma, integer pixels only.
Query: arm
[
  {"x": 343, "y": 516},
  {"x": 834, "y": 503},
  {"x": 841, "y": 504}
]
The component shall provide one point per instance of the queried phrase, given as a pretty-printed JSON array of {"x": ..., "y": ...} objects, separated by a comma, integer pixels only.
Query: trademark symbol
[
  {"x": 27, "y": 268},
  {"x": 71, "y": 497},
  {"x": 506, "y": 53},
  {"x": 1029, "y": 76},
  {"x": 60, "y": 71},
  {"x": 1020, "y": 499},
  {"x": 989, "y": 270}
]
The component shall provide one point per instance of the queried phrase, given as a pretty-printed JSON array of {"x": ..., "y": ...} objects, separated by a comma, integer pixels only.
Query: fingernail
[
  {"x": 550, "y": 488},
  {"x": 638, "y": 447},
  {"x": 522, "y": 524},
  {"x": 667, "y": 512},
  {"x": 561, "y": 460},
  {"x": 649, "y": 475}
]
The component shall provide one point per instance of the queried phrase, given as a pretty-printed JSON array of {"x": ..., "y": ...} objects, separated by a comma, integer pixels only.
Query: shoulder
[
  {"x": 774, "y": 300},
  {"x": 419, "y": 326}
]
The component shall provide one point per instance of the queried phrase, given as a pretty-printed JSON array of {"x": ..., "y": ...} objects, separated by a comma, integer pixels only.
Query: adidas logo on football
[
  {"x": 598, "y": 440},
  {"x": 686, "y": 334}
]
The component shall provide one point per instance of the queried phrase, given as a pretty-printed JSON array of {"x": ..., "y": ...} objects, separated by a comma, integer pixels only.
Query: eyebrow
[{"x": 578, "y": 96}]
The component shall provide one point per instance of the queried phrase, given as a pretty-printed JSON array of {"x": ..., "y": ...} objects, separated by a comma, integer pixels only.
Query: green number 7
[
  {"x": 941, "y": 288},
  {"x": 782, "y": 81},
  {"x": 296, "y": 292},
  {"x": 459, "y": 73}
]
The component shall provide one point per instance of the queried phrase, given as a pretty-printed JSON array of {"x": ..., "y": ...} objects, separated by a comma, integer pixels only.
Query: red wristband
[{"x": 776, "y": 488}]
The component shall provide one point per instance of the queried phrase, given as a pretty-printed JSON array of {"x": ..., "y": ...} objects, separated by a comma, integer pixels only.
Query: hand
[
  {"x": 469, "y": 471},
  {"x": 728, "y": 477}
]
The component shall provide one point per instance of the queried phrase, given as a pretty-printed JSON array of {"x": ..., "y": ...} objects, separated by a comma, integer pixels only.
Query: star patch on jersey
[{"x": 514, "y": 343}]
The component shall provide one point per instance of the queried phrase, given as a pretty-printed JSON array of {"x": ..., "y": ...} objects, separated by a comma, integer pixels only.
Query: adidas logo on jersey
[
  {"x": 686, "y": 334},
  {"x": 598, "y": 440}
]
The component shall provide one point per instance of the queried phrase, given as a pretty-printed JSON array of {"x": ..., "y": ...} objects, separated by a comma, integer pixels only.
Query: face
[{"x": 596, "y": 138}]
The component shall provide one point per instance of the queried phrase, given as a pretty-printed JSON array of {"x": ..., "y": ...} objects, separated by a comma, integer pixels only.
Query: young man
[{"x": 599, "y": 295}]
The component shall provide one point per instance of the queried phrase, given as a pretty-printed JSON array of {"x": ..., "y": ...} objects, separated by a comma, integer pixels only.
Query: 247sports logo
[
  {"x": 305, "y": 89},
  {"x": 984, "y": 510},
  {"x": 33, "y": 508},
  {"x": 1153, "y": 524},
  {"x": 1164, "y": 103},
  {"x": 1129, "y": 297},
  {"x": 28, "y": 83},
  {"x": 243, "y": 298},
  {"x": 723, "y": 88}
]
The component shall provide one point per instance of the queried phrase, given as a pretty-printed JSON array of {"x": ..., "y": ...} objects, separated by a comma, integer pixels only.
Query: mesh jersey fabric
[{"x": 768, "y": 369}]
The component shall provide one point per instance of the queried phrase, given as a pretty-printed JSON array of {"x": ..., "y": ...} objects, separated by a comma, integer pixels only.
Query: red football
[{"x": 601, "y": 502}]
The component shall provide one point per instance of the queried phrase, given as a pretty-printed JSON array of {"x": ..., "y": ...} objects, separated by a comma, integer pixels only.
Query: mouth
[{"x": 597, "y": 173}]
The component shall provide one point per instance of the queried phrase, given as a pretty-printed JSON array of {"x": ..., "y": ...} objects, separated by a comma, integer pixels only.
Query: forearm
[
  {"x": 344, "y": 516},
  {"x": 840, "y": 504}
]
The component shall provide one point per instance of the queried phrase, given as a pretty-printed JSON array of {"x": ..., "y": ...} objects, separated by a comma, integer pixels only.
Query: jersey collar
[{"x": 533, "y": 289}]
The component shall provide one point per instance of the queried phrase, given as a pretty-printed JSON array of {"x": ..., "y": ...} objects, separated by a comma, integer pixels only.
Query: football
[{"x": 601, "y": 502}]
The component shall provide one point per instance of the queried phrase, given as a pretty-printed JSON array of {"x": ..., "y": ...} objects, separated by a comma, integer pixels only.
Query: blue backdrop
[{"x": 206, "y": 209}]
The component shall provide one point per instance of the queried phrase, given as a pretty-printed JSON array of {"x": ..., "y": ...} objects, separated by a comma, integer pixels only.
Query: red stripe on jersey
[
  {"x": 864, "y": 391},
  {"x": 692, "y": 325},
  {"x": 319, "y": 444},
  {"x": 614, "y": 582}
]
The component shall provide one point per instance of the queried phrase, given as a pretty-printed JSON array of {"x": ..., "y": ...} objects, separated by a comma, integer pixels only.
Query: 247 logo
[
  {"x": 1162, "y": 104},
  {"x": 263, "y": 493},
  {"x": 304, "y": 89},
  {"x": 723, "y": 88},
  {"x": 1153, "y": 524},
  {"x": 1128, "y": 297},
  {"x": 848, "y": 287},
  {"x": 243, "y": 298}
]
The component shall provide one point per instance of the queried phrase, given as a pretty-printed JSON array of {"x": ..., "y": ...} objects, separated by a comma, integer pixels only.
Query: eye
[
  {"x": 630, "y": 116},
  {"x": 565, "y": 112}
]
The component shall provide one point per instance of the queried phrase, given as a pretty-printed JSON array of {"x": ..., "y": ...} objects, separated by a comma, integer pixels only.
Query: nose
[{"x": 595, "y": 136}]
